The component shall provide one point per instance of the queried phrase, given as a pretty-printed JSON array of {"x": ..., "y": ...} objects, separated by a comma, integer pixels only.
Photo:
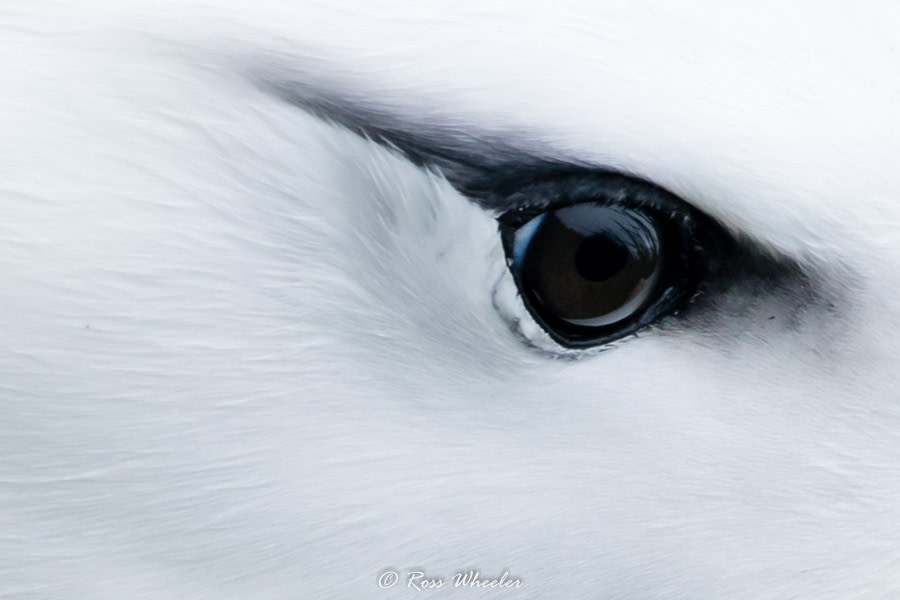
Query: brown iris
[{"x": 588, "y": 265}]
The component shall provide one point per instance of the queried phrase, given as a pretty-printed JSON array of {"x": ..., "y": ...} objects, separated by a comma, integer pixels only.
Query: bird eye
[{"x": 601, "y": 258}]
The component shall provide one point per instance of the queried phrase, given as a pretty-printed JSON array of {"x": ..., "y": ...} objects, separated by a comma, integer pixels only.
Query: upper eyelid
[{"x": 572, "y": 186}]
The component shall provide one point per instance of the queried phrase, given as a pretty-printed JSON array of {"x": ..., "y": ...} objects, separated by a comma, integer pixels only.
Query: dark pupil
[
  {"x": 600, "y": 257},
  {"x": 590, "y": 265}
]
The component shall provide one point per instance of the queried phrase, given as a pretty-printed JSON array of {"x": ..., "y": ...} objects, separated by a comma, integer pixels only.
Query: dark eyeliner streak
[
  {"x": 481, "y": 167},
  {"x": 743, "y": 280}
]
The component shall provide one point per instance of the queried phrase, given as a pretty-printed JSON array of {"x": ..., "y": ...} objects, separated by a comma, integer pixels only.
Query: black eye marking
[{"x": 733, "y": 283}]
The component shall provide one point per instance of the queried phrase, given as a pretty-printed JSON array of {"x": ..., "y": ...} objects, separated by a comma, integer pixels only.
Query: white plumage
[{"x": 251, "y": 354}]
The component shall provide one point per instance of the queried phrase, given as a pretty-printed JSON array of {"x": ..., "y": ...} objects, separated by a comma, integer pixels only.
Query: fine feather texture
[{"x": 251, "y": 352}]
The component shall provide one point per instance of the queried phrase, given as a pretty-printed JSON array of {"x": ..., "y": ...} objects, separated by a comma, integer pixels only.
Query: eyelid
[{"x": 558, "y": 190}]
